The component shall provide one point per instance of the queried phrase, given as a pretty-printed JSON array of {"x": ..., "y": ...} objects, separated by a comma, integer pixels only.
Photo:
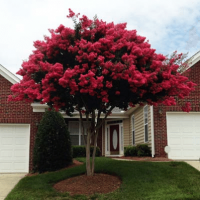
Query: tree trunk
[
  {"x": 94, "y": 151},
  {"x": 88, "y": 165},
  {"x": 94, "y": 130}
]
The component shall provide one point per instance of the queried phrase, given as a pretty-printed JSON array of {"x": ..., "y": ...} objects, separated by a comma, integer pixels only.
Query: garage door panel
[
  {"x": 175, "y": 141},
  {"x": 188, "y": 153},
  {"x": 6, "y": 166},
  {"x": 174, "y": 130},
  {"x": 197, "y": 131},
  {"x": 6, "y": 154},
  {"x": 20, "y": 153},
  {"x": 7, "y": 129},
  {"x": 7, "y": 140},
  {"x": 198, "y": 152},
  {"x": 21, "y": 129},
  {"x": 14, "y": 148},
  {"x": 19, "y": 166},
  {"x": 196, "y": 117},
  {"x": 197, "y": 141},
  {"x": 187, "y": 140},
  {"x": 20, "y": 140},
  {"x": 173, "y": 118},
  {"x": 187, "y": 128},
  {"x": 175, "y": 152}
]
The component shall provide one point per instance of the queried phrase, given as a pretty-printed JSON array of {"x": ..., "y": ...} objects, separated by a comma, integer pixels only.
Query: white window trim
[
  {"x": 133, "y": 128},
  {"x": 107, "y": 140},
  {"x": 121, "y": 139},
  {"x": 146, "y": 124}
]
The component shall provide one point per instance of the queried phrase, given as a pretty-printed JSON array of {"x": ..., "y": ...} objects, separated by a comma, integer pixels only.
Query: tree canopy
[{"x": 98, "y": 65}]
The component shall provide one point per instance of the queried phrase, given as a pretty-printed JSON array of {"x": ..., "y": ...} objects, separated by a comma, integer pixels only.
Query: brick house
[
  {"x": 18, "y": 125},
  {"x": 156, "y": 126},
  {"x": 180, "y": 130}
]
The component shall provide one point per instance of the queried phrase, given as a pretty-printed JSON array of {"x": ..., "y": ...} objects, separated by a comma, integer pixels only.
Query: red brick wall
[
  {"x": 18, "y": 112},
  {"x": 160, "y": 129}
]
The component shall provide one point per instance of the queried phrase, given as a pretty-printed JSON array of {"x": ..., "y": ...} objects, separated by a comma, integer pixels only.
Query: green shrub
[
  {"x": 130, "y": 151},
  {"x": 139, "y": 150},
  {"x": 80, "y": 151},
  {"x": 143, "y": 150},
  {"x": 52, "y": 150}
]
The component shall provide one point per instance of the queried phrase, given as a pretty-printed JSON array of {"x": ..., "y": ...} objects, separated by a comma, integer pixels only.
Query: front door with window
[{"x": 114, "y": 139}]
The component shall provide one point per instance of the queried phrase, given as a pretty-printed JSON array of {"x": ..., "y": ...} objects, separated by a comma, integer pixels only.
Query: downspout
[{"x": 152, "y": 134}]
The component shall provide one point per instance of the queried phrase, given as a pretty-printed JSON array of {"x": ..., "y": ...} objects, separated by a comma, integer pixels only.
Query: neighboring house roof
[{"x": 8, "y": 75}]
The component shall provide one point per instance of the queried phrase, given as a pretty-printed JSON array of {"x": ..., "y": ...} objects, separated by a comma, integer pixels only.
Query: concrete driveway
[
  {"x": 7, "y": 183},
  {"x": 195, "y": 164}
]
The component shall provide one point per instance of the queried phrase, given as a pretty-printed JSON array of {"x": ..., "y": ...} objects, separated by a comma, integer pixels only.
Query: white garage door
[
  {"x": 14, "y": 148},
  {"x": 183, "y": 134}
]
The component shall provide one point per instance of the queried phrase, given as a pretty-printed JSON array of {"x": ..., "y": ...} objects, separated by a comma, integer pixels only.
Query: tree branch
[{"x": 106, "y": 115}]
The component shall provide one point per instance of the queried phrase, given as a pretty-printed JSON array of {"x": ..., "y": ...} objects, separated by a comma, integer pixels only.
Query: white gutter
[
  {"x": 152, "y": 134},
  {"x": 37, "y": 107}
]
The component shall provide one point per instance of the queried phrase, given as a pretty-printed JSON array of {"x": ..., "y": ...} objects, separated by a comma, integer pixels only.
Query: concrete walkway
[
  {"x": 195, "y": 164},
  {"x": 7, "y": 183}
]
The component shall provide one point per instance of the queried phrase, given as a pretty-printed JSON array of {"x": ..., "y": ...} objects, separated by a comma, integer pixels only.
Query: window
[
  {"x": 146, "y": 123},
  {"x": 75, "y": 132},
  {"x": 73, "y": 127},
  {"x": 133, "y": 130}
]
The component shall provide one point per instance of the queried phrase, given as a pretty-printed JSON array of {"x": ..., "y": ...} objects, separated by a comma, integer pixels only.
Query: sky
[{"x": 169, "y": 25}]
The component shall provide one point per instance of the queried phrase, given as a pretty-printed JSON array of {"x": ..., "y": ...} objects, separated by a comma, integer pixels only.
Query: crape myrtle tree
[{"x": 94, "y": 68}]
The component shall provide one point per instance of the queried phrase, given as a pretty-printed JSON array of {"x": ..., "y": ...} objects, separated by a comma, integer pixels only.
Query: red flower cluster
[{"x": 99, "y": 60}]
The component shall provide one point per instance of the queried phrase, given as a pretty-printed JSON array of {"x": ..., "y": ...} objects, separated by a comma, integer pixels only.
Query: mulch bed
[
  {"x": 88, "y": 185},
  {"x": 148, "y": 159}
]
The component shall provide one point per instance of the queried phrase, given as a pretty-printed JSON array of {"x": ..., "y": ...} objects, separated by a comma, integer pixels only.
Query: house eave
[
  {"x": 8, "y": 75},
  {"x": 194, "y": 59},
  {"x": 113, "y": 115},
  {"x": 37, "y": 107}
]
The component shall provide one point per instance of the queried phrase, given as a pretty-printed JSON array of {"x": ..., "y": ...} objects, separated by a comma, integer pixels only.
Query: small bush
[
  {"x": 130, "y": 151},
  {"x": 143, "y": 150},
  {"x": 80, "y": 151},
  {"x": 139, "y": 150},
  {"x": 52, "y": 150}
]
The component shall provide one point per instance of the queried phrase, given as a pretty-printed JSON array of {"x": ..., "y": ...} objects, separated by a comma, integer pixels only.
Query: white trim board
[{"x": 8, "y": 75}]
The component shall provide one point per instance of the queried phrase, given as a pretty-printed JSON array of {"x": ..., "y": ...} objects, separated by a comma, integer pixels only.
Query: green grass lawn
[{"x": 140, "y": 180}]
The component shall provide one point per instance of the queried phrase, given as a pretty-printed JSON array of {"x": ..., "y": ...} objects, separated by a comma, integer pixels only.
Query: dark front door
[{"x": 114, "y": 139}]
